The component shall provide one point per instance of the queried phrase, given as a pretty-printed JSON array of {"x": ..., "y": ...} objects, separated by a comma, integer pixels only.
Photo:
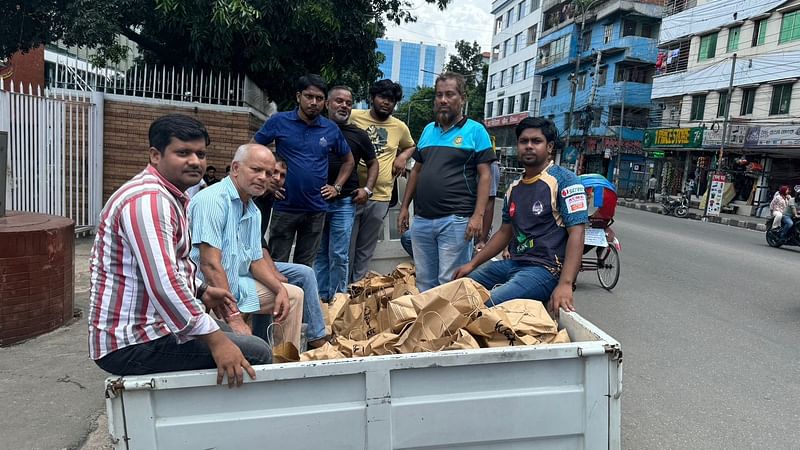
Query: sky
[{"x": 469, "y": 20}]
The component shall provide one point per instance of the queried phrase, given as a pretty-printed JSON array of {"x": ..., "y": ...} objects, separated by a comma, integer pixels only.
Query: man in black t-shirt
[{"x": 332, "y": 262}]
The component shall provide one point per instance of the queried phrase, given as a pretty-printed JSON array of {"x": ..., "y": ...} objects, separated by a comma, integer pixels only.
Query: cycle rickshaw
[{"x": 601, "y": 246}]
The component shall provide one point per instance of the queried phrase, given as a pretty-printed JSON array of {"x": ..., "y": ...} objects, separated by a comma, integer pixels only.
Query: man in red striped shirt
[{"x": 147, "y": 312}]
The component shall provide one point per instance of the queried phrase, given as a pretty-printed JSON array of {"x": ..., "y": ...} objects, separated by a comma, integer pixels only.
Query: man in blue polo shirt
[
  {"x": 304, "y": 139},
  {"x": 449, "y": 185}
]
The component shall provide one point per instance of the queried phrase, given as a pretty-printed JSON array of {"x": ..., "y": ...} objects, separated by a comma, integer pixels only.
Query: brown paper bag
[
  {"x": 561, "y": 338},
  {"x": 336, "y": 304},
  {"x": 528, "y": 317},
  {"x": 358, "y": 318},
  {"x": 400, "y": 312},
  {"x": 350, "y": 347},
  {"x": 465, "y": 294},
  {"x": 382, "y": 344},
  {"x": 489, "y": 322},
  {"x": 327, "y": 351},
  {"x": 439, "y": 318},
  {"x": 463, "y": 341},
  {"x": 285, "y": 352}
]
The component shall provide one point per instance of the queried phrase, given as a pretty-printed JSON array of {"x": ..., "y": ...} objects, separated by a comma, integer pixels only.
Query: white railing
[{"x": 55, "y": 163}]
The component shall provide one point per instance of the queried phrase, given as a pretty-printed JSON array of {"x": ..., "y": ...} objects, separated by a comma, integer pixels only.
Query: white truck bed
[{"x": 562, "y": 396}]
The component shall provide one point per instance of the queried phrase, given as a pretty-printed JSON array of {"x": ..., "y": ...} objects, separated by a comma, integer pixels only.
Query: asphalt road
[{"x": 709, "y": 321}]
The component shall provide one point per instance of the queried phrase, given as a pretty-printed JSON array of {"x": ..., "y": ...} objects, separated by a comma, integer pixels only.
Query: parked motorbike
[
  {"x": 774, "y": 234},
  {"x": 678, "y": 207}
]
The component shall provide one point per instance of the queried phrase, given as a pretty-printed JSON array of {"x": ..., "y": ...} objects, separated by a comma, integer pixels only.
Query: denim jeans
[
  {"x": 166, "y": 355},
  {"x": 508, "y": 280},
  {"x": 439, "y": 248},
  {"x": 405, "y": 241},
  {"x": 332, "y": 263},
  {"x": 303, "y": 277},
  {"x": 786, "y": 224}
]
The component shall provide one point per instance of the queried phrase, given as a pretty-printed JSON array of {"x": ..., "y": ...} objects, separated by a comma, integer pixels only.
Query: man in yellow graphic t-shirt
[{"x": 393, "y": 146}]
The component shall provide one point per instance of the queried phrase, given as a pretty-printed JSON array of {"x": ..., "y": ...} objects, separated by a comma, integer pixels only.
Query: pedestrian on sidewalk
[
  {"x": 651, "y": 188},
  {"x": 146, "y": 311}
]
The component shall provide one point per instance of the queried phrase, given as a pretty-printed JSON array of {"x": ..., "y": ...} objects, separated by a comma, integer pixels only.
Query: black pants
[
  {"x": 285, "y": 227},
  {"x": 651, "y": 195}
]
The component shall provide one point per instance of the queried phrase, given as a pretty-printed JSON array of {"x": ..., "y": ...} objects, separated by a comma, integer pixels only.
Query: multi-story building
[
  {"x": 512, "y": 90},
  {"x": 698, "y": 44},
  {"x": 413, "y": 65},
  {"x": 613, "y": 43}
]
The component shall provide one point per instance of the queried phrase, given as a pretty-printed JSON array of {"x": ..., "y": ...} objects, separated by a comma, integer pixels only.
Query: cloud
[{"x": 469, "y": 20}]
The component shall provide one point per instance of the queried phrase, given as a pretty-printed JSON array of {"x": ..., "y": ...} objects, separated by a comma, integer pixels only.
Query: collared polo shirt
[
  {"x": 218, "y": 217},
  {"x": 448, "y": 182},
  {"x": 305, "y": 147}
]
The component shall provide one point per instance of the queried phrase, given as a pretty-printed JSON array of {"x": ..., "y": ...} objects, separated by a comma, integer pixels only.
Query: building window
[
  {"x": 648, "y": 31},
  {"x": 520, "y": 42},
  {"x": 708, "y": 47},
  {"x": 529, "y": 68},
  {"x": 554, "y": 87},
  {"x": 748, "y": 99},
  {"x": 532, "y": 34},
  {"x": 582, "y": 81},
  {"x": 759, "y": 32},
  {"x": 586, "y": 41},
  {"x": 534, "y": 5},
  {"x": 608, "y": 33},
  {"x": 498, "y": 25},
  {"x": 508, "y": 17},
  {"x": 503, "y": 77},
  {"x": 495, "y": 53},
  {"x": 790, "y": 27},
  {"x": 781, "y": 98},
  {"x": 601, "y": 76},
  {"x": 510, "y": 104},
  {"x": 522, "y": 9},
  {"x": 500, "y": 107},
  {"x": 698, "y": 107},
  {"x": 525, "y": 102},
  {"x": 518, "y": 74},
  {"x": 733, "y": 39},
  {"x": 628, "y": 28},
  {"x": 544, "y": 89},
  {"x": 596, "y": 115},
  {"x": 506, "y": 46},
  {"x": 492, "y": 81},
  {"x": 722, "y": 105},
  {"x": 489, "y": 109}
]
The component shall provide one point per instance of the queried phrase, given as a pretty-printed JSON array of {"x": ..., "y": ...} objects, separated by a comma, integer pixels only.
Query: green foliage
[
  {"x": 273, "y": 42},
  {"x": 421, "y": 105}
]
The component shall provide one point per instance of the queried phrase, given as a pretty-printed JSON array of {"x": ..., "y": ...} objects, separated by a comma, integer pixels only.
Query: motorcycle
[
  {"x": 678, "y": 207},
  {"x": 774, "y": 234}
]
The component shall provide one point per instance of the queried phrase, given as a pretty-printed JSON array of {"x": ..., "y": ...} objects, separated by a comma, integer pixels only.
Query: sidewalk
[{"x": 734, "y": 220}]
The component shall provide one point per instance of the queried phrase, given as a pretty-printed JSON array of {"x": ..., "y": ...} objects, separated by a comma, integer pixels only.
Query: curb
[{"x": 694, "y": 216}]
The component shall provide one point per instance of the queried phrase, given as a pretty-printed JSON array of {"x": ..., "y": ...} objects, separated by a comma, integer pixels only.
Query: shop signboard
[
  {"x": 715, "y": 194},
  {"x": 570, "y": 155},
  {"x": 773, "y": 136},
  {"x": 502, "y": 121},
  {"x": 673, "y": 138},
  {"x": 737, "y": 134},
  {"x": 656, "y": 155}
]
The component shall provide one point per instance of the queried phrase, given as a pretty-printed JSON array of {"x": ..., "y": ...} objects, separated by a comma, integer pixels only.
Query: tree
[
  {"x": 273, "y": 42},
  {"x": 421, "y": 111},
  {"x": 468, "y": 61}
]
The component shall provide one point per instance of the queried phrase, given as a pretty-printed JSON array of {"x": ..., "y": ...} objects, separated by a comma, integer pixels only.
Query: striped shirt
[
  {"x": 220, "y": 219},
  {"x": 142, "y": 280}
]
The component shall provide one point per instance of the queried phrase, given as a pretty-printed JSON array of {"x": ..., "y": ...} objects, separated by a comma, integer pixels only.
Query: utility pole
[
  {"x": 596, "y": 76},
  {"x": 621, "y": 136},
  {"x": 725, "y": 121}
]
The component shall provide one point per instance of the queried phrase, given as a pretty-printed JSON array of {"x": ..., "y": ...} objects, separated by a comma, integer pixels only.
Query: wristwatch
[
  {"x": 338, "y": 188},
  {"x": 369, "y": 193}
]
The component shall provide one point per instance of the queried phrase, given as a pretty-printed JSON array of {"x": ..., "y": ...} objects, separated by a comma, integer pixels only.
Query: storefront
[
  {"x": 602, "y": 154},
  {"x": 502, "y": 128},
  {"x": 674, "y": 155},
  {"x": 777, "y": 150}
]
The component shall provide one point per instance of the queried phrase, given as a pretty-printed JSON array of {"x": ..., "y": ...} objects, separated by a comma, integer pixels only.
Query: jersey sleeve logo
[
  {"x": 572, "y": 190},
  {"x": 512, "y": 209},
  {"x": 576, "y": 203}
]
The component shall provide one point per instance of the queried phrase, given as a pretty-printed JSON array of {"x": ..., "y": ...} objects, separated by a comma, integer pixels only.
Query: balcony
[{"x": 548, "y": 63}]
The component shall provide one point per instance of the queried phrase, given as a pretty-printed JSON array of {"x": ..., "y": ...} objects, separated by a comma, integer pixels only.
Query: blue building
[
  {"x": 413, "y": 65},
  {"x": 616, "y": 45}
]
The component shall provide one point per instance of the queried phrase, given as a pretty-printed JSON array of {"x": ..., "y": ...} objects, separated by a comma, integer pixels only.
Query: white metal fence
[{"x": 55, "y": 158}]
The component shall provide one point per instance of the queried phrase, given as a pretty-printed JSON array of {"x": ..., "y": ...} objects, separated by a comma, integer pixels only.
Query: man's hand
[
  {"x": 561, "y": 298},
  {"x": 329, "y": 192},
  {"x": 402, "y": 220},
  {"x": 399, "y": 165},
  {"x": 279, "y": 194},
  {"x": 474, "y": 227},
  {"x": 360, "y": 197},
  {"x": 506, "y": 254},
  {"x": 215, "y": 297},
  {"x": 229, "y": 360},
  {"x": 281, "y": 310},
  {"x": 463, "y": 271}
]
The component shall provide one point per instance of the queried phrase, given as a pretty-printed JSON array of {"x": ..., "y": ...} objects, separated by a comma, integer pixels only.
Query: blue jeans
[
  {"x": 786, "y": 226},
  {"x": 166, "y": 355},
  {"x": 405, "y": 241},
  {"x": 302, "y": 277},
  {"x": 439, "y": 249},
  {"x": 332, "y": 263},
  {"x": 508, "y": 280}
]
